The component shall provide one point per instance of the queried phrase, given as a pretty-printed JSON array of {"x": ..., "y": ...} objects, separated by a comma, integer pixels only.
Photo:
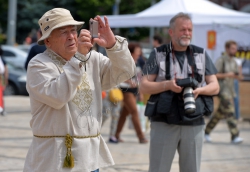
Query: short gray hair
[{"x": 179, "y": 15}]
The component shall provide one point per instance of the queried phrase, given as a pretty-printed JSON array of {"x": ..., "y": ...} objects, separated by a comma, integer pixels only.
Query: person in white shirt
[{"x": 65, "y": 84}]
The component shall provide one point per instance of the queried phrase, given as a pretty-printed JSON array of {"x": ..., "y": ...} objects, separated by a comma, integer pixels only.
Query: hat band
[{"x": 57, "y": 22}]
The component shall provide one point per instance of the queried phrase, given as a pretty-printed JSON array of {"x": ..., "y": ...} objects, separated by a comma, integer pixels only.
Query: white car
[
  {"x": 146, "y": 52},
  {"x": 14, "y": 56}
]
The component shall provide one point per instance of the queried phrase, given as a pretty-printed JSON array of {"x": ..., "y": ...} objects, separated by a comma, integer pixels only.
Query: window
[{"x": 7, "y": 53}]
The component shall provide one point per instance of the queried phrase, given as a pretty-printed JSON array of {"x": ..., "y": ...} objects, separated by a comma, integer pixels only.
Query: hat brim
[{"x": 66, "y": 23}]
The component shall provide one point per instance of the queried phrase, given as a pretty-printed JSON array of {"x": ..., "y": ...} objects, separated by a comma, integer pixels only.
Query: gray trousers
[{"x": 165, "y": 139}]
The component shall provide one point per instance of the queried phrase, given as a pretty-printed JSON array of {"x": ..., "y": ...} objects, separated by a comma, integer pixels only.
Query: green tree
[
  {"x": 30, "y": 11},
  {"x": 91, "y": 8},
  {"x": 3, "y": 19}
]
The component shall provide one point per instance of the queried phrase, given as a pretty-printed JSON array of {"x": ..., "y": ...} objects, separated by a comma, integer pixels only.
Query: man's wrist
[
  {"x": 113, "y": 45},
  {"x": 165, "y": 85}
]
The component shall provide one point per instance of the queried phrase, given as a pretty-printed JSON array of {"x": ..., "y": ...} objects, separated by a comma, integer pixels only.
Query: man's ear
[
  {"x": 170, "y": 32},
  {"x": 47, "y": 42}
]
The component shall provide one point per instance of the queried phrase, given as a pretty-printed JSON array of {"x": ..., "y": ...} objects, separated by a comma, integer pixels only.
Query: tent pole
[
  {"x": 151, "y": 35},
  {"x": 152, "y": 30},
  {"x": 116, "y": 11}
]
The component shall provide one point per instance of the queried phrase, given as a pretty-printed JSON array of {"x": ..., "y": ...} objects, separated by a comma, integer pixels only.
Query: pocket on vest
[
  {"x": 165, "y": 102},
  {"x": 151, "y": 105}
]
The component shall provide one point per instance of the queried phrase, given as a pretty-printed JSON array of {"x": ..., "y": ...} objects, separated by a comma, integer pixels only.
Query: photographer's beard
[{"x": 184, "y": 41}]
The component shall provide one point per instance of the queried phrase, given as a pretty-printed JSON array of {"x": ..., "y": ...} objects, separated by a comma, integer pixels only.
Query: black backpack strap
[{"x": 167, "y": 62}]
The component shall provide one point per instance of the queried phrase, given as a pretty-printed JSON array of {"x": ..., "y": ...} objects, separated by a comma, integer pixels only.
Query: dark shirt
[
  {"x": 141, "y": 62},
  {"x": 180, "y": 56},
  {"x": 34, "y": 50}
]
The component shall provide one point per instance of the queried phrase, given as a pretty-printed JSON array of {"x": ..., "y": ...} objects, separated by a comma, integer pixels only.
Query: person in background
[
  {"x": 228, "y": 70},
  {"x": 65, "y": 85},
  {"x": 239, "y": 62},
  {"x": 3, "y": 81},
  {"x": 111, "y": 109},
  {"x": 157, "y": 41},
  {"x": 130, "y": 91},
  {"x": 35, "y": 49},
  {"x": 141, "y": 60}
]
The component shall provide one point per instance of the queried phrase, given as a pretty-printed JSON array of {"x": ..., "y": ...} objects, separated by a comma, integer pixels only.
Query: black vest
[{"x": 169, "y": 106}]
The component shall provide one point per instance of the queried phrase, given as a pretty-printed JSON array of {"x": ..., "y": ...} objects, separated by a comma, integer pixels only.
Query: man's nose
[
  {"x": 187, "y": 32},
  {"x": 70, "y": 35}
]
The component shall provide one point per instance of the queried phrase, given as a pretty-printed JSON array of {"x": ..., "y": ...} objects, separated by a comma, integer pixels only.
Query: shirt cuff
[{"x": 118, "y": 44}]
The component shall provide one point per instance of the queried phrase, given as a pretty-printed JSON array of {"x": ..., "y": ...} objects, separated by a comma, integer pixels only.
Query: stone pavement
[{"x": 130, "y": 156}]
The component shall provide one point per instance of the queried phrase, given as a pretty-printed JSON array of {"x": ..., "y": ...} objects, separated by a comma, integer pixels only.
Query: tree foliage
[
  {"x": 30, "y": 11},
  {"x": 3, "y": 19}
]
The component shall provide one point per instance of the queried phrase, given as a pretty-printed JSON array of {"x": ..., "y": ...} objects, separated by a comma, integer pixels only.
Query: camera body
[
  {"x": 187, "y": 82},
  {"x": 93, "y": 28},
  {"x": 189, "y": 102}
]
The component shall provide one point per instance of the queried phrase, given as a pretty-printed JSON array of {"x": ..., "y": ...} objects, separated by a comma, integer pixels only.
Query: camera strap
[
  {"x": 191, "y": 62},
  {"x": 167, "y": 64}
]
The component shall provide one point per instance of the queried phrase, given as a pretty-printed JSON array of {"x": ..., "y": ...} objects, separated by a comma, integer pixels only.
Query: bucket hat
[{"x": 53, "y": 19}]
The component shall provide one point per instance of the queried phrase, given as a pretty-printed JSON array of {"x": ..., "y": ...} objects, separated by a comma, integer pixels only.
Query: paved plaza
[{"x": 130, "y": 156}]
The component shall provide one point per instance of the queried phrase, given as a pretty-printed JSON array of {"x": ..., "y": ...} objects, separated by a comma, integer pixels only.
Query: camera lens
[{"x": 189, "y": 102}]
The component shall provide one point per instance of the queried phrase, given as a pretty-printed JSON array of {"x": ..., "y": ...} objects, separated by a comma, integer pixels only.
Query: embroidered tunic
[{"x": 66, "y": 99}]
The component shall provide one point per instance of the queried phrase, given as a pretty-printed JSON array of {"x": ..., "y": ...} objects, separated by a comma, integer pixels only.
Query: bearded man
[{"x": 171, "y": 127}]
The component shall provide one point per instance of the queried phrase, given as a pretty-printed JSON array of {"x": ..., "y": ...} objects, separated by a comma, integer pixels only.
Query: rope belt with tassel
[{"x": 69, "y": 159}]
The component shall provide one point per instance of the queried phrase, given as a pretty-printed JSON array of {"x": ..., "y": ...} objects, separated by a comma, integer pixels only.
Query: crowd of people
[{"x": 70, "y": 87}]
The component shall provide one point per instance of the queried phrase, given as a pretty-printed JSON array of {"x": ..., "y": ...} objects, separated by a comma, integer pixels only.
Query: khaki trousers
[{"x": 225, "y": 110}]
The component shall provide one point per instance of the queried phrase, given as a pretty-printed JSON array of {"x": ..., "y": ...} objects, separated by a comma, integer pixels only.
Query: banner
[{"x": 211, "y": 39}]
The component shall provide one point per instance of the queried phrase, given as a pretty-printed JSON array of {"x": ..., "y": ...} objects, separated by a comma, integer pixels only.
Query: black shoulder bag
[{"x": 156, "y": 104}]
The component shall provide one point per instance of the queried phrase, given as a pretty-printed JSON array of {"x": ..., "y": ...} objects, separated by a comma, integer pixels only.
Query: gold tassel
[{"x": 69, "y": 159}]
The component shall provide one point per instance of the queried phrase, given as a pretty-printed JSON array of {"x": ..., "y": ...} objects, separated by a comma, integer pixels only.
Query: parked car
[
  {"x": 14, "y": 56},
  {"x": 16, "y": 81},
  {"x": 25, "y": 48},
  {"x": 146, "y": 52}
]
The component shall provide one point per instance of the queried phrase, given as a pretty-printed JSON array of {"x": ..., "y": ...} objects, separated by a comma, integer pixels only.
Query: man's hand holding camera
[
  {"x": 174, "y": 87},
  {"x": 84, "y": 42},
  {"x": 106, "y": 37},
  {"x": 197, "y": 92}
]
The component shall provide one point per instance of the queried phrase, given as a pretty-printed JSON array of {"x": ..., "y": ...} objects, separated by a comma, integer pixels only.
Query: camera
[
  {"x": 189, "y": 102},
  {"x": 93, "y": 28}
]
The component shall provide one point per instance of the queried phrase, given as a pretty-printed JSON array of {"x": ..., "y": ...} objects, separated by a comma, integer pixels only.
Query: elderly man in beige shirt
[{"x": 65, "y": 84}]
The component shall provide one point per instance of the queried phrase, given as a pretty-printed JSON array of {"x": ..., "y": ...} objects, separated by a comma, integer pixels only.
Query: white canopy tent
[{"x": 228, "y": 24}]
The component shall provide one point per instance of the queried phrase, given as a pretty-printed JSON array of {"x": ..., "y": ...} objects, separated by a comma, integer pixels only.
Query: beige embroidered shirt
[{"x": 66, "y": 99}]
